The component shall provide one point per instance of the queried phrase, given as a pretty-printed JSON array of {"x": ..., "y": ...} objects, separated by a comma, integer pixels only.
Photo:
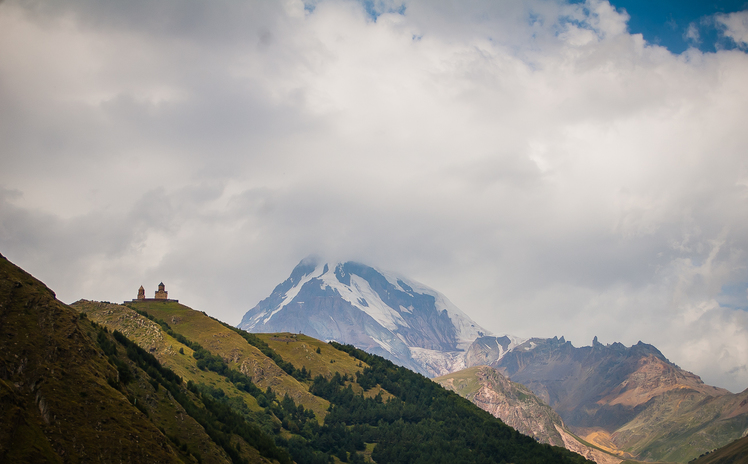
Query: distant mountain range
[
  {"x": 628, "y": 399},
  {"x": 625, "y": 401}
]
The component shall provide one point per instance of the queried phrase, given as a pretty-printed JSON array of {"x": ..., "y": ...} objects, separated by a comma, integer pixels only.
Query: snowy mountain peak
[{"x": 378, "y": 311}]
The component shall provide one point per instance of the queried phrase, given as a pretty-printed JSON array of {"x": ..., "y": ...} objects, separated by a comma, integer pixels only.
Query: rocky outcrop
[
  {"x": 511, "y": 402},
  {"x": 145, "y": 332},
  {"x": 600, "y": 385},
  {"x": 593, "y": 454},
  {"x": 487, "y": 350}
]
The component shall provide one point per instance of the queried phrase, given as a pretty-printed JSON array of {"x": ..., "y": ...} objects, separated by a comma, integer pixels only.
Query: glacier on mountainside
[{"x": 381, "y": 312}]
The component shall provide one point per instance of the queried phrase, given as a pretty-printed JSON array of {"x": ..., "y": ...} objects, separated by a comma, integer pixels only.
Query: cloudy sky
[{"x": 554, "y": 168}]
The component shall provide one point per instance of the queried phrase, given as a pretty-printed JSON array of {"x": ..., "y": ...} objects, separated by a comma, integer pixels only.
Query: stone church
[{"x": 161, "y": 295}]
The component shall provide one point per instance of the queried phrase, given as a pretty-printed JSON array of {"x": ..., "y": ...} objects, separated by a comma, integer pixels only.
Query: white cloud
[
  {"x": 735, "y": 26},
  {"x": 692, "y": 34},
  {"x": 549, "y": 172}
]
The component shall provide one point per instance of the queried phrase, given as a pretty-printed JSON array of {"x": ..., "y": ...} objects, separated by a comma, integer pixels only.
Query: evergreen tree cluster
[{"x": 208, "y": 361}]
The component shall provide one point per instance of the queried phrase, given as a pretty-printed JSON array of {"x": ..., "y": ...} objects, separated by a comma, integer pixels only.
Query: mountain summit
[{"x": 380, "y": 312}]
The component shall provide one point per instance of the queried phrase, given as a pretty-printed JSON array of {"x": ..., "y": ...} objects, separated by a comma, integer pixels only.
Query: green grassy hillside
[
  {"x": 361, "y": 410},
  {"x": 151, "y": 337},
  {"x": 361, "y": 418},
  {"x": 224, "y": 341}
]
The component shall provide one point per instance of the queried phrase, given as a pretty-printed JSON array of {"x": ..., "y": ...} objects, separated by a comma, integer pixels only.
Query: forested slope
[{"x": 373, "y": 409}]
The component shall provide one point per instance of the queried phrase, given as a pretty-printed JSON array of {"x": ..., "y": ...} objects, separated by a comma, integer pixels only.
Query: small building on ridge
[{"x": 161, "y": 295}]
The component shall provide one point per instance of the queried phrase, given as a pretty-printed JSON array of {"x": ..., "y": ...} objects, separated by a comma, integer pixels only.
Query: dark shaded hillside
[
  {"x": 72, "y": 391},
  {"x": 56, "y": 403}
]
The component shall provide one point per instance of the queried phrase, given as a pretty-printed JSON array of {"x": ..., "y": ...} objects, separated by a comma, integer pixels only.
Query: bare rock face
[
  {"x": 511, "y": 402},
  {"x": 486, "y": 350},
  {"x": 517, "y": 407},
  {"x": 600, "y": 457},
  {"x": 261, "y": 371}
]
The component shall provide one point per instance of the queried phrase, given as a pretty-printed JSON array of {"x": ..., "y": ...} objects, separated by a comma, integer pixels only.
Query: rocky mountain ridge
[{"x": 628, "y": 399}]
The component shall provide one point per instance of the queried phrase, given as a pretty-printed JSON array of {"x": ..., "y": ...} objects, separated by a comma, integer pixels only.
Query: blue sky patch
[
  {"x": 734, "y": 296},
  {"x": 680, "y": 24},
  {"x": 376, "y": 8}
]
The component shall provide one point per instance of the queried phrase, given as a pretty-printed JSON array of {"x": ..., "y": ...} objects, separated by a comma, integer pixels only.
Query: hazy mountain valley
[{"x": 156, "y": 381}]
